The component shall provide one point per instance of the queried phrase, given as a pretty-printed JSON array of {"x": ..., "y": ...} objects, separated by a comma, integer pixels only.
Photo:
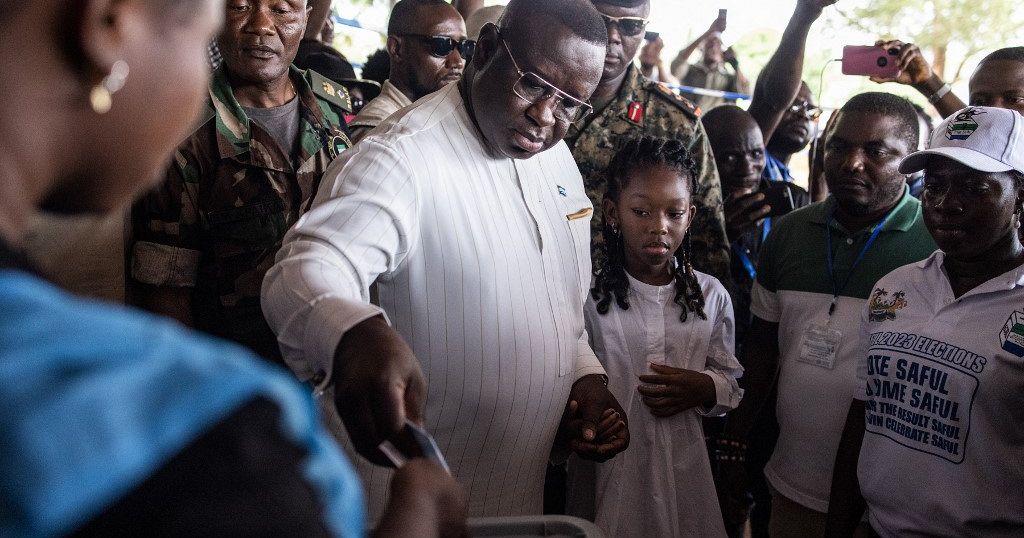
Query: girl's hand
[{"x": 673, "y": 390}]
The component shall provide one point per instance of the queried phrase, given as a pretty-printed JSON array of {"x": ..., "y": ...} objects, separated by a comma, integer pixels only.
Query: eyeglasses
[
  {"x": 530, "y": 87},
  {"x": 628, "y": 26},
  {"x": 807, "y": 110},
  {"x": 441, "y": 45}
]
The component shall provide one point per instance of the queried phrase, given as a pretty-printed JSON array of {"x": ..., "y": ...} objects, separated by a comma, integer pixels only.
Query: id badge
[{"x": 819, "y": 346}]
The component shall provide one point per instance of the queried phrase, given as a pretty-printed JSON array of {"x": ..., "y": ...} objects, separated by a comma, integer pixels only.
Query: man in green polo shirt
[{"x": 816, "y": 270}]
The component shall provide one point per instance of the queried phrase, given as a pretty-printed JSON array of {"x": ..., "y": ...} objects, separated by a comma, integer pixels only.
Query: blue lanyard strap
[
  {"x": 836, "y": 288},
  {"x": 741, "y": 252}
]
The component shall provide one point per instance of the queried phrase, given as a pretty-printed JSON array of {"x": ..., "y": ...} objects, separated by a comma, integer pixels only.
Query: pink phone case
[{"x": 870, "y": 61}]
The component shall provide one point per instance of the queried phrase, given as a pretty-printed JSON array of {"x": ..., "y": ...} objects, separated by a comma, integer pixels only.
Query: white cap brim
[{"x": 966, "y": 156}]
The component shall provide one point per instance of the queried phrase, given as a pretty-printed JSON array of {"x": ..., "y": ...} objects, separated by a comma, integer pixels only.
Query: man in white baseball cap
[{"x": 932, "y": 442}]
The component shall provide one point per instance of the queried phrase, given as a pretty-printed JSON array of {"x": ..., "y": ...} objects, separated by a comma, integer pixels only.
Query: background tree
[{"x": 969, "y": 27}]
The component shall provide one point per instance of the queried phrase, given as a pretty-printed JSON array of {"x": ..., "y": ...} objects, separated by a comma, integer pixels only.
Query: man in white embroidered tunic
[{"x": 467, "y": 216}]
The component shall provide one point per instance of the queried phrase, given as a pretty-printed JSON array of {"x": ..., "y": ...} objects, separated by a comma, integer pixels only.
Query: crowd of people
[{"x": 600, "y": 298}]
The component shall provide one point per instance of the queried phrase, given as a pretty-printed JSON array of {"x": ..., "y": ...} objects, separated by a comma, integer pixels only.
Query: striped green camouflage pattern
[{"x": 231, "y": 193}]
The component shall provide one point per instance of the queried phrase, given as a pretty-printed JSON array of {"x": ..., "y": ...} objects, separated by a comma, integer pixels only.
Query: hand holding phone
[
  {"x": 873, "y": 61},
  {"x": 780, "y": 197}
]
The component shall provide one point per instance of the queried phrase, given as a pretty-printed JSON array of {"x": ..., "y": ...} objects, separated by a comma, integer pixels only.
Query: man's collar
[
  {"x": 903, "y": 215},
  {"x": 234, "y": 128}
]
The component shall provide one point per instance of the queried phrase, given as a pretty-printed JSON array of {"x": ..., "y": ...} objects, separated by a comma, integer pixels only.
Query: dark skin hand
[
  {"x": 743, "y": 209},
  {"x": 916, "y": 72},
  {"x": 846, "y": 504},
  {"x": 594, "y": 423},
  {"x": 378, "y": 385},
  {"x": 425, "y": 502},
  {"x": 760, "y": 360},
  {"x": 670, "y": 390}
]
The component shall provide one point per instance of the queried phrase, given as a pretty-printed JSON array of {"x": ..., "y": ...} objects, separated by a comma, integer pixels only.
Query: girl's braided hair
[{"x": 611, "y": 282}]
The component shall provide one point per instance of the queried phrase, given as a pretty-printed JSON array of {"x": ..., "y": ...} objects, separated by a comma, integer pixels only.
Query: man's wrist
[
  {"x": 598, "y": 378},
  {"x": 930, "y": 85}
]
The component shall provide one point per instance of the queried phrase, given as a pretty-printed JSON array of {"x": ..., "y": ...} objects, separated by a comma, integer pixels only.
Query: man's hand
[
  {"x": 595, "y": 422},
  {"x": 729, "y": 57},
  {"x": 733, "y": 492},
  {"x": 743, "y": 209},
  {"x": 914, "y": 69},
  {"x": 378, "y": 385},
  {"x": 425, "y": 501},
  {"x": 673, "y": 390}
]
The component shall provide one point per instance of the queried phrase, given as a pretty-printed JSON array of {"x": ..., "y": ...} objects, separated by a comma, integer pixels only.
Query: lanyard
[
  {"x": 836, "y": 289},
  {"x": 741, "y": 252}
]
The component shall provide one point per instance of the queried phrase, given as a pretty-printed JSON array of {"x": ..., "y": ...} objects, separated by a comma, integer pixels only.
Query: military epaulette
[
  {"x": 329, "y": 90},
  {"x": 662, "y": 90}
]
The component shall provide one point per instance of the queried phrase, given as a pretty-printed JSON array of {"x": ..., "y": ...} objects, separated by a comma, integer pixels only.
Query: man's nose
[
  {"x": 454, "y": 60},
  {"x": 543, "y": 111},
  {"x": 259, "y": 22}
]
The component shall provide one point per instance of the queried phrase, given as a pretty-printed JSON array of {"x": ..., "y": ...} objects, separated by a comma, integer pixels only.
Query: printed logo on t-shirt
[
  {"x": 920, "y": 393},
  {"x": 881, "y": 310},
  {"x": 1012, "y": 334}
]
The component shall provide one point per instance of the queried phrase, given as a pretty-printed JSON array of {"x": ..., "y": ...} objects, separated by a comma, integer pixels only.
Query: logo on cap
[{"x": 963, "y": 125}]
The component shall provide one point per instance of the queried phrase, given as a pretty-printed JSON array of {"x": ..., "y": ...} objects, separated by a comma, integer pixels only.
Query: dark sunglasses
[
  {"x": 628, "y": 26},
  {"x": 441, "y": 45}
]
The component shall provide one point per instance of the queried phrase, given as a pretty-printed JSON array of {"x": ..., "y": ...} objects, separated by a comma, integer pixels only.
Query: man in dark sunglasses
[
  {"x": 627, "y": 105},
  {"x": 428, "y": 48}
]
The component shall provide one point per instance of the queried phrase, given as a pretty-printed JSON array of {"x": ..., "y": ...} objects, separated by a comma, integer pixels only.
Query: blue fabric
[
  {"x": 94, "y": 398},
  {"x": 774, "y": 169}
]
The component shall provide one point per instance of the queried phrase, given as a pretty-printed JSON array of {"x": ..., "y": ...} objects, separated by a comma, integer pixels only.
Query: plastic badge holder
[{"x": 533, "y": 527}]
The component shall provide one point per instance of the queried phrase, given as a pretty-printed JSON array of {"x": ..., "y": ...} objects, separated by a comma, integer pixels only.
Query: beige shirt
[
  {"x": 480, "y": 262},
  {"x": 376, "y": 111}
]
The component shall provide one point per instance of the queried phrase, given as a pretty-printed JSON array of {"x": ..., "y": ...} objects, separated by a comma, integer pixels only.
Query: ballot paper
[{"x": 412, "y": 442}]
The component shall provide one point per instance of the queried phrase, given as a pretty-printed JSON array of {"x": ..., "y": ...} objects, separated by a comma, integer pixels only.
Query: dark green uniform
[
  {"x": 231, "y": 193},
  {"x": 643, "y": 107}
]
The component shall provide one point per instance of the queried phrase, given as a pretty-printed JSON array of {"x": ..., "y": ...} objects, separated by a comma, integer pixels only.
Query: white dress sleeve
[{"x": 722, "y": 365}]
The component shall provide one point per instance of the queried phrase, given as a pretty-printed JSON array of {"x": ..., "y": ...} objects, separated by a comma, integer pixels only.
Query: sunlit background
[{"x": 953, "y": 34}]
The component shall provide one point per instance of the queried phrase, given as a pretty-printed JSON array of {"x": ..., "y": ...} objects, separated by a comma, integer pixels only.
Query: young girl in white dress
[{"x": 664, "y": 333}]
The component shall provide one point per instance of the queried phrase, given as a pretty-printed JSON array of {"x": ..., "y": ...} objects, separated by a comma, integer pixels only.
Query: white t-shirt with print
[{"x": 943, "y": 385}]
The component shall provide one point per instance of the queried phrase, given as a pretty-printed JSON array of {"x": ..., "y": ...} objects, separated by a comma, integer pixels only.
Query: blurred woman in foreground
[{"x": 112, "y": 421}]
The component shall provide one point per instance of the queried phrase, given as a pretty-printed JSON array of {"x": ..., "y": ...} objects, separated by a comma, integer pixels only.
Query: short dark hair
[
  {"x": 890, "y": 105},
  {"x": 1015, "y": 54},
  {"x": 579, "y": 16},
  {"x": 403, "y": 15},
  {"x": 377, "y": 66}
]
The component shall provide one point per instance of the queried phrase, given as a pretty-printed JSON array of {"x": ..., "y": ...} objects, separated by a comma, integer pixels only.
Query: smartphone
[
  {"x": 651, "y": 36},
  {"x": 780, "y": 197},
  {"x": 871, "y": 61},
  {"x": 722, "y": 13},
  {"x": 411, "y": 442}
]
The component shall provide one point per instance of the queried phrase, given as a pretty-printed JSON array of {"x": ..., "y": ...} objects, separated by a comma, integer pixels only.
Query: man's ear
[
  {"x": 486, "y": 46},
  {"x": 394, "y": 47}
]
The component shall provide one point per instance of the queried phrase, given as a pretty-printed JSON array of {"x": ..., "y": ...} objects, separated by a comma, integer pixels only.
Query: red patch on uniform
[{"x": 635, "y": 112}]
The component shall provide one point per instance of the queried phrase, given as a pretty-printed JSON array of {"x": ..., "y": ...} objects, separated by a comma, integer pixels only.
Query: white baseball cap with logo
[{"x": 984, "y": 138}]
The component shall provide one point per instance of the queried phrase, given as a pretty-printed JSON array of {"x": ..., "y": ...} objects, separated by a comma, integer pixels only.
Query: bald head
[
  {"x": 737, "y": 145},
  {"x": 578, "y": 16}
]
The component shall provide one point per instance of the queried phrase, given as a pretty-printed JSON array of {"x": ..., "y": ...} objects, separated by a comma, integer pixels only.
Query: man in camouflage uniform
[
  {"x": 628, "y": 105},
  {"x": 206, "y": 237}
]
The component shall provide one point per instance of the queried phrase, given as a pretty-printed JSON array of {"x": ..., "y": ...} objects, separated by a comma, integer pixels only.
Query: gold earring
[{"x": 102, "y": 95}]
